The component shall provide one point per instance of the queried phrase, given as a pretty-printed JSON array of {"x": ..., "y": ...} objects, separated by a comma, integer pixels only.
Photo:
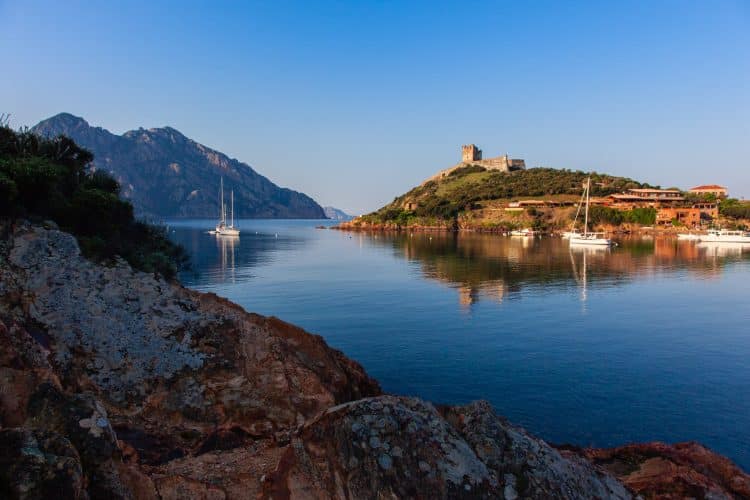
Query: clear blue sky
[{"x": 355, "y": 102}]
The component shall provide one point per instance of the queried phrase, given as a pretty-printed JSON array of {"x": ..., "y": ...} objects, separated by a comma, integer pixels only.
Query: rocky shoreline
[{"x": 117, "y": 384}]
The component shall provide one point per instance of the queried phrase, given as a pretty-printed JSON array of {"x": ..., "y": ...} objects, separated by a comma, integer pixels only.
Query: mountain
[
  {"x": 337, "y": 214},
  {"x": 165, "y": 174}
]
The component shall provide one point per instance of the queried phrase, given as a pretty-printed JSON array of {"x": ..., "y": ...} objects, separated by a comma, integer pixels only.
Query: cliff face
[
  {"x": 116, "y": 384},
  {"x": 164, "y": 173}
]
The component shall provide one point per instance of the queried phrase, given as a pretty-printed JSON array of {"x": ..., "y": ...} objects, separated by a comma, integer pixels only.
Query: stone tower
[{"x": 470, "y": 153}]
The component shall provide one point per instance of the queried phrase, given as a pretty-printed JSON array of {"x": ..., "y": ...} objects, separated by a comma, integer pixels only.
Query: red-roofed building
[{"x": 714, "y": 189}]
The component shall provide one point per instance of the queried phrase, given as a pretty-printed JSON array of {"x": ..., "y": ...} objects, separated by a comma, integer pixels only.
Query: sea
[{"x": 647, "y": 341}]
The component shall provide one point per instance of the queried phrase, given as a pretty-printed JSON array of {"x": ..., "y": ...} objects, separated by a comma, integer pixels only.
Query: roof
[
  {"x": 707, "y": 187},
  {"x": 641, "y": 198},
  {"x": 654, "y": 190}
]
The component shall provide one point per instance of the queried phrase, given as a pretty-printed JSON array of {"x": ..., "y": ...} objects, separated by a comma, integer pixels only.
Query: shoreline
[{"x": 394, "y": 228}]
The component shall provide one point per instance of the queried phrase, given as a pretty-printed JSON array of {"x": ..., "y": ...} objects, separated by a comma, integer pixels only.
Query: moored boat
[
  {"x": 598, "y": 239},
  {"x": 725, "y": 236},
  {"x": 222, "y": 228},
  {"x": 587, "y": 238},
  {"x": 689, "y": 237},
  {"x": 524, "y": 232}
]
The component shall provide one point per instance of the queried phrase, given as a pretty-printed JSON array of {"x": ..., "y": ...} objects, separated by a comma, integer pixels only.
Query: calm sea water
[{"x": 648, "y": 341}]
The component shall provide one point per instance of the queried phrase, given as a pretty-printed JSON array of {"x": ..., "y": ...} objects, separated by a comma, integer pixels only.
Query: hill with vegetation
[
  {"x": 465, "y": 192},
  {"x": 51, "y": 179},
  {"x": 165, "y": 174}
]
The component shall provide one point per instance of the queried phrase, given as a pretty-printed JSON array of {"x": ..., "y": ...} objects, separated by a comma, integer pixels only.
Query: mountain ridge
[
  {"x": 164, "y": 173},
  {"x": 337, "y": 214}
]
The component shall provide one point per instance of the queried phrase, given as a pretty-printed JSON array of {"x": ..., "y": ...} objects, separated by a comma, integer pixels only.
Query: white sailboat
[
  {"x": 573, "y": 230},
  {"x": 588, "y": 238},
  {"x": 221, "y": 227}
]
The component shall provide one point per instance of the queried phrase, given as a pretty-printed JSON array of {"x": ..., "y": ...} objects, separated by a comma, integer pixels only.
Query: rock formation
[
  {"x": 117, "y": 384},
  {"x": 165, "y": 174}
]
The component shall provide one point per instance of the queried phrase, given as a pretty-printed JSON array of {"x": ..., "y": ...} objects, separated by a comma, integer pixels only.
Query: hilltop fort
[{"x": 472, "y": 155}]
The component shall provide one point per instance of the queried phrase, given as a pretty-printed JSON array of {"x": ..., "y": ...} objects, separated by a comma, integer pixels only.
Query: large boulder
[
  {"x": 391, "y": 447},
  {"x": 681, "y": 470}
]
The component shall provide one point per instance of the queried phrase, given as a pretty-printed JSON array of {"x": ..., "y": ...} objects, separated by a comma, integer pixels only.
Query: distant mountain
[
  {"x": 336, "y": 214},
  {"x": 165, "y": 174}
]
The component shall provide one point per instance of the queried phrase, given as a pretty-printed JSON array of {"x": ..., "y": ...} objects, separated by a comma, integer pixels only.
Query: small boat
[
  {"x": 689, "y": 237},
  {"x": 599, "y": 239},
  {"x": 222, "y": 229},
  {"x": 724, "y": 236},
  {"x": 587, "y": 238},
  {"x": 524, "y": 232},
  {"x": 574, "y": 233}
]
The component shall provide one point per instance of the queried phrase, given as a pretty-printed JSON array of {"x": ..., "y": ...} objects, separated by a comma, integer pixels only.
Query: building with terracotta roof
[
  {"x": 714, "y": 189},
  {"x": 646, "y": 198}
]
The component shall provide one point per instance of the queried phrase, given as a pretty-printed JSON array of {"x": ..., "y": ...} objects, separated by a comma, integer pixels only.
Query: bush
[
  {"x": 642, "y": 216},
  {"x": 51, "y": 179},
  {"x": 734, "y": 209},
  {"x": 605, "y": 215}
]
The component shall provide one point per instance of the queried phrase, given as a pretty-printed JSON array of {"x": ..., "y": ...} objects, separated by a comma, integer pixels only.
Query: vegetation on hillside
[
  {"x": 612, "y": 216},
  {"x": 734, "y": 209},
  {"x": 466, "y": 188},
  {"x": 43, "y": 178}
]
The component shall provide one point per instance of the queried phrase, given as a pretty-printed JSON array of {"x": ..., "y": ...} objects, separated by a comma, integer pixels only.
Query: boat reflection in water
[
  {"x": 227, "y": 246},
  {"x": 580, "y": 271},
  {"x": 491, "y": 267},
  {"x": 715, "y": 250}
]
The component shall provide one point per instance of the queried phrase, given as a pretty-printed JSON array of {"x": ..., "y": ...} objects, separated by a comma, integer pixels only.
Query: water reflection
[
  {"x": 496, "y": 268},
  {"x": 226, "y": 246},
  {"x": 220, "y": 259},
  {"x": 565, "y": 342}
]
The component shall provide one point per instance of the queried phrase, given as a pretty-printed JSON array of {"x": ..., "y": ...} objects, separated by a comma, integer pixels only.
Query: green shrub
[
  {"x": 642, "y": 216},
  {"x": 605, "y": 215},
  {"x": 51, "y": 179},
  {"x": 734, "y": 209}
]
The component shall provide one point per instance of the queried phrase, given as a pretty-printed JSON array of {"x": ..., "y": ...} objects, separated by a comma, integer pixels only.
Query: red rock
[{"x": 682, "y": 470}]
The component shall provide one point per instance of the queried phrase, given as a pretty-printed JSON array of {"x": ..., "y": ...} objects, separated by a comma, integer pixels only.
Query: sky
[{"x": 355, "y": 102}]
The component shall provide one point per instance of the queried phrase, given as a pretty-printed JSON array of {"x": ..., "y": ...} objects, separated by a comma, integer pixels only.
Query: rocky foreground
[{"x": 116, "y": 384}]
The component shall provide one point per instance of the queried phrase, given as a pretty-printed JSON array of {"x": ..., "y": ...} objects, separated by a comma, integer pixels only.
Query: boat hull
[
  {"x": 689, "y": 237},
  {"x": 577, "y": 240}
]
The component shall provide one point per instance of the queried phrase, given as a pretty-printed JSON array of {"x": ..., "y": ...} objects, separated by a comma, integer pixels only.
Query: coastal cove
[{"x": 593, "y": 348}]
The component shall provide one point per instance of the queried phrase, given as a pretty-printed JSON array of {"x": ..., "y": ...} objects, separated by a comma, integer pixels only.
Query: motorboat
[{"x": 725, "y": 236}]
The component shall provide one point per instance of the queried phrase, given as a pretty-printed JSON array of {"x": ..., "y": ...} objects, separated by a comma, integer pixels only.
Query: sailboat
[
  {"x": 588, "y": 238},
  {"x": 221, "y": 227},
  {"x": 573, "y": 231}
]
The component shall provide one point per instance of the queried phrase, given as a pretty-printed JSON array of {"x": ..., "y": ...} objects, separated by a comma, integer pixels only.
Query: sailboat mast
[
  {"x": 232, "y": 225},
  {"x": 578, "y": 211},
  {"x": 223, "y": 215},
  {"x": 586, "y": 224}
]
